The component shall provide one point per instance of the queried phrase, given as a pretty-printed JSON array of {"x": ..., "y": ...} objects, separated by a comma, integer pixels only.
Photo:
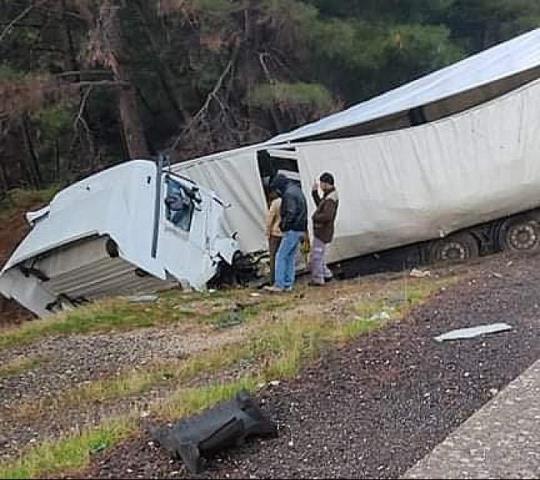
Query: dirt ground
[
  {"x": 374, "y": 408},
  {"x": 15, "y": 227}
]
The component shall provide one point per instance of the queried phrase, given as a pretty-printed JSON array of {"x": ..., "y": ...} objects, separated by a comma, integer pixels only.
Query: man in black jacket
[{"x": 293, "y": 225}]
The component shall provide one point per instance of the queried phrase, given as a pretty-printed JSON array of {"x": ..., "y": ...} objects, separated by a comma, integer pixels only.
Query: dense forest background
[{"x": 85, "y": 84}]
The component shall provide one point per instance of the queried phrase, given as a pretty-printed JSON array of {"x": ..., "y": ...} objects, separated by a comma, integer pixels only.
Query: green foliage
[
  {"x": 54, "y": 120},
  {"x": 225, "y": 72},
  {"x": 287, "y": 95},
  {"x": 9, "y": 74}
]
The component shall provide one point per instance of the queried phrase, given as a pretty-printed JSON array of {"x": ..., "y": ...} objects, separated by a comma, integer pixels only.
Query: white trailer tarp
[
  {"x": 404, "y": 186},
  {"x": 420, "y": 183},
  {"x": 502, "y": 61}
]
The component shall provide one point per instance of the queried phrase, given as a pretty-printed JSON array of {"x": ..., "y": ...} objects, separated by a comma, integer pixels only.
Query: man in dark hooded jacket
[{"x": 293, "y": 225}]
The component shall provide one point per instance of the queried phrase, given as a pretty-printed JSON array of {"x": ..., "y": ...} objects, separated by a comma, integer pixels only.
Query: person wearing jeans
[
  {"x": 324, "y": 219},
  {"x": 293, "y": 225},
  {"x": 285, "y": 260}
]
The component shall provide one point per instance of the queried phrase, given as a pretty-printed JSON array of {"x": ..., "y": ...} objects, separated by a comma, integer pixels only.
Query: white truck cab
[{"x": 133, "y": 228}]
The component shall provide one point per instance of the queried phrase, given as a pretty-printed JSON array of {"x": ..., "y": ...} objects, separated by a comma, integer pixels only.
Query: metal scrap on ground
[{"x": 467, "y": 333}]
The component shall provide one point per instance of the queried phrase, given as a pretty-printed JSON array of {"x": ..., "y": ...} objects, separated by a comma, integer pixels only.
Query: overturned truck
[
  {"x": 446, "y": 167},
  {"x": 130, "y": 229}
]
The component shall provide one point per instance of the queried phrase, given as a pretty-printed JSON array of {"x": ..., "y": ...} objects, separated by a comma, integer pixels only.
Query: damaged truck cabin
[{"x": 130, "y": 229}]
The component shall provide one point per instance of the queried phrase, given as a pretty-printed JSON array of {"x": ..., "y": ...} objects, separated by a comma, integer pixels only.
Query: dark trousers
[{"x": 273, "y": 247}]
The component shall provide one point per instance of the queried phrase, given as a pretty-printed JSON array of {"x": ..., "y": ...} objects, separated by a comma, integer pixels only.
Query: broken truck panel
[{"x": 96, "y": 238}]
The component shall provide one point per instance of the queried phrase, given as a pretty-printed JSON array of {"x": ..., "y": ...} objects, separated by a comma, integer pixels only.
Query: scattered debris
[
  {"x": 497, "y": 275},
  {"x": 143, "y": 299},
  {"x": 223, "y": 426},
  {"x": 467, "y": 333},
  {"x": 230, "y": 319},
  {"x": 379, "y": 317},
  {"x": 415, "y": 273},
  {"x": 275, "y": 383},
  {"x": 256, "y": 295}
]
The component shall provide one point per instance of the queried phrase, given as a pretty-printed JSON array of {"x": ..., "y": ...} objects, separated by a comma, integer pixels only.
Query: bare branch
[
  {"x": 83, "y": 105},
  {"x": 75, "y": 73},
  {"x": 18, "y": 18},
  {"x": 102, "y": 83},
  {"x": 206, "y": 104}
]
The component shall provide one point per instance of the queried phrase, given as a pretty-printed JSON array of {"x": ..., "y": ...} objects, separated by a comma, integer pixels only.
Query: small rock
[
  {"x": 275, "y": 383},
  {"x": 493, "y": 392}
]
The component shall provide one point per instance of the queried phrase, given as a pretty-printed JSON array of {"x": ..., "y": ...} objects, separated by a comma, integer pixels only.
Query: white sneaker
[{"x": 274, "y": 289}]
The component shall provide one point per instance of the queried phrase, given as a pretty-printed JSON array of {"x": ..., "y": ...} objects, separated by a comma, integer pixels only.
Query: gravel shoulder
[
  {"x": 374, "y": 408},
  {"x": 75, "y": 361}
]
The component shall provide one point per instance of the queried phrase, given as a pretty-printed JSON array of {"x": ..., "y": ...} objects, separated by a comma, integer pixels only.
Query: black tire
[
  {"x": 454, "y": 248},
  {"x": 519, "y": 234}
]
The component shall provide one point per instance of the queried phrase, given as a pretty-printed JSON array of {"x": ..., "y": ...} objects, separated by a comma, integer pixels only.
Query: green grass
[
  {"x": 280, "y": 347},
  {"x": 70, "y": 453},
  {"x": 274, "y": 350},
  {"x": 20, "y": 365},
  {"x": 120, "y": 315},
  {"x": 113, "y": 315},
  {"x": 75, "y": 451},
  {"x": 135, "y": 382}
]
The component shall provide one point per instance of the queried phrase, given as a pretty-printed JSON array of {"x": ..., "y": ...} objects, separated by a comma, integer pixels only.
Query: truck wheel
[
  {"x": 454, "y": 248},
  {"x": 519, "y": 234}
]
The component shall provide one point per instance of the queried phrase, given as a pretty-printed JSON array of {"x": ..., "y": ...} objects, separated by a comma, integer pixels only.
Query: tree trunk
[
  {"x": 162, "y": 70},
  {"x": 3, "y": 181},
  {"x": 129, "y": 111},
  {"x": 56, "y": 160},
  {"x": 34, "y": 173}
]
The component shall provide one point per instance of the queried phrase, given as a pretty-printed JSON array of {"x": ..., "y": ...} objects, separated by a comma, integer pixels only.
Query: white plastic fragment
[
  {"x": 378, "y": 317},
  {"x": 415, "y": 273},
  {"x": 467, "y": 333},
  {"x": 143, "y": 299}
]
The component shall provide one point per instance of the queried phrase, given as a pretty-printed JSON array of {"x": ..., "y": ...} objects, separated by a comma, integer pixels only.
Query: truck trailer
[{"x": 446, "y": 167}]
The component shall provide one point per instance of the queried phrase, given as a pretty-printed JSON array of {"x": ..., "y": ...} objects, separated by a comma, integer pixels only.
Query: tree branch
[
  {"x": 206, "y": 104},
  {"x": 76, "y": 73},
  {"x": 18, "y": 18},
  {"x": 102, "y": 83}
]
